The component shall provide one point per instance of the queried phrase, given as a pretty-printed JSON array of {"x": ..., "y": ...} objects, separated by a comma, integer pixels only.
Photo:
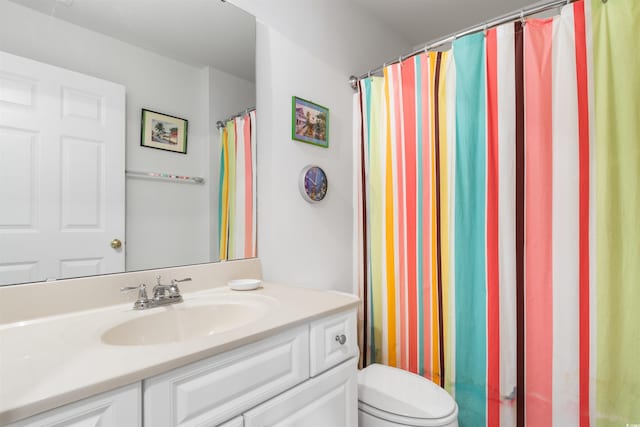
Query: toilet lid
[{"x": 403, "y": 393}]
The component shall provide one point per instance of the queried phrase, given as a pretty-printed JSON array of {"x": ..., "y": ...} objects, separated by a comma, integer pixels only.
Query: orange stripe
[
  {"x": 435, "y": 359},
  {"x": 248, "y": 169},
  {"x": 425, "y": 200},
  {"x": 389, "y": 235}
]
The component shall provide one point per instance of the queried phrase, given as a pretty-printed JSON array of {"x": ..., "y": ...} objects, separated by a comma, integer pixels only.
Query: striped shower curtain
[
  {"x": 237, "y": 189},
  {"x": 500, "y": 206}
]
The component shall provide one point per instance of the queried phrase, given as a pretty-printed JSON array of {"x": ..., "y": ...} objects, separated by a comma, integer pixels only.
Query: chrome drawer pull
[{"x": 341, "y": 339}]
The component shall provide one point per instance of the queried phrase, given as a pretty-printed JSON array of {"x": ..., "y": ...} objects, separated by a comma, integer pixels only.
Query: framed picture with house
[
  {"x": 310, "y": 122},
  {"x": 164, "y": 132}
]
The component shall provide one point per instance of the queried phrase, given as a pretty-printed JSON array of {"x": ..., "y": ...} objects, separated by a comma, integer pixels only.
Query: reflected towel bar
[{"x": 166, "y": 177}]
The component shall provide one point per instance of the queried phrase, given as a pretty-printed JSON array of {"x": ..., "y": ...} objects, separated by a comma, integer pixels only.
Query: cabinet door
[
  {"x": 211, "y": 391},
  {"x": 329, "y": 399},
  {"x": 117, "y": 408}
]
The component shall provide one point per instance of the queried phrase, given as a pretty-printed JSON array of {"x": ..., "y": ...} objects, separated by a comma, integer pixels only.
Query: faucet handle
[
  {"x": 175, "y": 282},
  {"x": 173, "y": 289},
  {"x": 143, "y": 300},
  {"x": 142, "y": 290}
]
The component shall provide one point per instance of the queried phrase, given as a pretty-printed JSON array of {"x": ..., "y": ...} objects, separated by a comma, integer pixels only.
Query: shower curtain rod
[
  {"x": 222, "y": 123},
  {"x": 521, "y": 14}
]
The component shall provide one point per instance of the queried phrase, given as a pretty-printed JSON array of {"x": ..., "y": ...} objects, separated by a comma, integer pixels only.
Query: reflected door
[{"x": 62, "y": 160}]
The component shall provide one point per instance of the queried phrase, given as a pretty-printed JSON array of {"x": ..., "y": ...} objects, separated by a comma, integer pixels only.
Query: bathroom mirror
[{"x": 98, "y": 64}]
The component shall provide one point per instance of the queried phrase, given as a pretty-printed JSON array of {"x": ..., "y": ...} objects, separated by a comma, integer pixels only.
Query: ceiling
[
  {"x": 421, "y": 21},
  {"x": 198, "y": 32}
]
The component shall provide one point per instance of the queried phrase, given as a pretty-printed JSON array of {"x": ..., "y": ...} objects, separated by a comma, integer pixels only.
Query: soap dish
[{"x": 244, "y": 284}]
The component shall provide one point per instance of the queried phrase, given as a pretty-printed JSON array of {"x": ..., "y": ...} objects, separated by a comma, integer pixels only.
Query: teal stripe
[
  {"x": 419, "y": 201},
  {"x": 369, "y": 284},
  {"x": 222, "y": 172},
  {"x": 470, "y": 177}
]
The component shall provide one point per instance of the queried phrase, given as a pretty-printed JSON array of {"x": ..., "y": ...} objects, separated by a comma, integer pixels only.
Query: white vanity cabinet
[
  {"x": 121, "y": 407},
  {"x": 305, "y": 376}
]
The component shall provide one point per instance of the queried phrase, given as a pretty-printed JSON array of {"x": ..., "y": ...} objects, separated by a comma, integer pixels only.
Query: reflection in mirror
[{"x": 75, "y": 76}]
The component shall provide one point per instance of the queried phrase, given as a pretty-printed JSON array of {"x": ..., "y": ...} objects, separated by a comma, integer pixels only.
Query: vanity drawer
[
  {"x": 211, "y": 391},
  {"x": 332, "y": 340}
]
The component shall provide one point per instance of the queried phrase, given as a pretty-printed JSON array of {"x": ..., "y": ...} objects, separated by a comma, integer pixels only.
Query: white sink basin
[{"x": 188, "y": 320}]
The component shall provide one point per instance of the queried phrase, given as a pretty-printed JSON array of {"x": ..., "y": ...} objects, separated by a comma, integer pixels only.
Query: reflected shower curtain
[
  {"x": 500, "y": 206},
  {"x": 237, "y": 196}
]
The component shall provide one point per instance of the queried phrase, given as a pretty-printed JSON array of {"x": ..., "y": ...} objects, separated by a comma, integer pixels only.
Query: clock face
[{"x": 314, "y": 185}]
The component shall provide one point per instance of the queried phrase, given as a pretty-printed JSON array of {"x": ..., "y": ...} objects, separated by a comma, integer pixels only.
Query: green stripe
[
  {"x": 617, "y": 152},
  {"x": 369, "y": 284},
  {"x": 220, "y": 190},
  {"x": 231, "y": 141},
  {"x": 376, "y": 179}
]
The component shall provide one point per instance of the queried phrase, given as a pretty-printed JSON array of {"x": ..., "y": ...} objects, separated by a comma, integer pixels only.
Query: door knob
[
  {"x": 341, "y": 339},
  {"x": 116, "y": 244}
]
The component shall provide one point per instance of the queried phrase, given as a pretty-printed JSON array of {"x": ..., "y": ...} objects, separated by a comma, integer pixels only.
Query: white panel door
[
  {"x": 62, "y": 161},
  {"x": 330, "y": 399}
]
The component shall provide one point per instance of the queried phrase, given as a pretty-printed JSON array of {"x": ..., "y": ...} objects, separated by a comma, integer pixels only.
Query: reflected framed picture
[
  {"x": 164, "y": 132},
  {"x": 309, "y": 122}
]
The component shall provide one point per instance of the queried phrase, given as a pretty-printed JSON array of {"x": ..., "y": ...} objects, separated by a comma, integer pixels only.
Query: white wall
[
  {"x": 167, "y": 223},
  {"x": 309, "y": 49}
]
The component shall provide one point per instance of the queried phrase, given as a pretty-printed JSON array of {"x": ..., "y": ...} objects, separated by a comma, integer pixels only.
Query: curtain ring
[
  {"x": 484, "y": 30},
  {"x": 522, "y": 21}
]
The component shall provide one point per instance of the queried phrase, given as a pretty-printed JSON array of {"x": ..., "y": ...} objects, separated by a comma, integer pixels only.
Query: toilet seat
[
  {"x": 404, "y": 398},
  {"x": 408, "y": 421}
]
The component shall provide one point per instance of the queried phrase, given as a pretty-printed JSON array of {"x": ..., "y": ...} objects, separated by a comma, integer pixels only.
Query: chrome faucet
[
  {"x": 162, "y": 294},
  {"x": 143, "y": 302},
  {"x": 168, "y": 294}
]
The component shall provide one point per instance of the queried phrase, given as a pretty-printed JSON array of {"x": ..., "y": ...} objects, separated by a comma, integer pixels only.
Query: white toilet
[{"x": 390, "y": 397}]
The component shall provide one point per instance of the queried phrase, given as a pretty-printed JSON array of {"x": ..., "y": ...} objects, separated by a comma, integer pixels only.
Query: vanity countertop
[{"x": 51, "y": 361}]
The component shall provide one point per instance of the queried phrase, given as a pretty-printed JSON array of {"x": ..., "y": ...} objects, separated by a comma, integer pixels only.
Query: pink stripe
[
  {"x": 493, "y": 266},
  {"x": 539, "y": 168},
  {"x": 426, "y": 213},
  {"x": 248, "y": 193},
  {"x": 409, "y": 108},
  {"x": 394, "y": 70}
]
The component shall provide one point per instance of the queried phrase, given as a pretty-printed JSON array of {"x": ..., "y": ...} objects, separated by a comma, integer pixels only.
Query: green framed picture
[
  {"x": 309, "y": 122},
  {"x": 164, "y": 132}
]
